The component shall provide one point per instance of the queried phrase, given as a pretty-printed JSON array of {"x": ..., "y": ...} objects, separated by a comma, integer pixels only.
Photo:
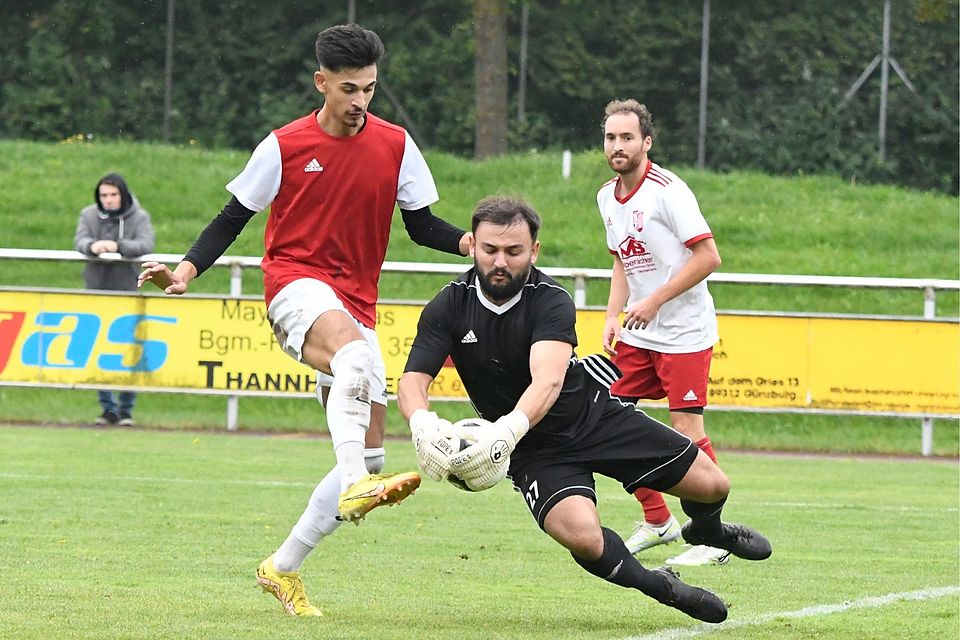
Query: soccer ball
[{"x": 458, "y": 444}]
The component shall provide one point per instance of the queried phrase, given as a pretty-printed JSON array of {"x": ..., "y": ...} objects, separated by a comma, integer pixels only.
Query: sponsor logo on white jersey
[
  {"x": 631, "y": 247},
  {"x": 313, "y": 166}
]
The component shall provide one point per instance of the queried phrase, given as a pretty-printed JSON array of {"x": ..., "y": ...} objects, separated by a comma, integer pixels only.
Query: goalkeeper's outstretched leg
[{"x": 574, "y": 523}]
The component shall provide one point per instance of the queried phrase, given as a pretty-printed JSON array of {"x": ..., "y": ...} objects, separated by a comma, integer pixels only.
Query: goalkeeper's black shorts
[{"x": 624, "y": 444}]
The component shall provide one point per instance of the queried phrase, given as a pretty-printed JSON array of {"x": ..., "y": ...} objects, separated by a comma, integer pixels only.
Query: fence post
[
  {"x": 926, "y": 436},
  {"x": 236, "y": 288},
  {"x": 579, "y": 291},
  {"x": 926, "y": 424}
]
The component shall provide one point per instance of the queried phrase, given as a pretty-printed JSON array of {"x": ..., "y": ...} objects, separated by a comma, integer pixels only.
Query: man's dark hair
[
  {"x": 114, "y": 180},
  {"x": 348, "y": 46},
  {"x": 502, "y": 210},
  {"x": 634, "y": 107}
]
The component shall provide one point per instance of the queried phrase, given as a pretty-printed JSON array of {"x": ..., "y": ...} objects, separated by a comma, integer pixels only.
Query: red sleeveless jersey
[{"x": 331, "y": 217}]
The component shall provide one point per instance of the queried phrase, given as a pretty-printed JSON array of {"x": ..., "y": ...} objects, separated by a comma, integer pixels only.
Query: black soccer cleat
[
  {"x": 695, "y": 602},
  {"x": 739, "y": 540}
]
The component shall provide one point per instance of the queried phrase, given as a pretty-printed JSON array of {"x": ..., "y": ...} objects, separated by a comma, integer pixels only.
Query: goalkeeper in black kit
[{"x": 510, "y": 331}]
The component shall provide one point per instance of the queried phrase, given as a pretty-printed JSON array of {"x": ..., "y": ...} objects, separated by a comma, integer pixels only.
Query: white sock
[
  {"x": 350, "y": 456},
  {"x": 373, "y": 459},
  {"x": 348, "y": 408},
  {"x": 318, "y": 520},
  {"x": 291, "y": 554}
]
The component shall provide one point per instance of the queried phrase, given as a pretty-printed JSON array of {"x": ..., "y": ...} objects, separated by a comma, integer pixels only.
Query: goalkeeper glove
[
  {"x": 483, "y": 464},
  {"x": 430, "y": 435}
]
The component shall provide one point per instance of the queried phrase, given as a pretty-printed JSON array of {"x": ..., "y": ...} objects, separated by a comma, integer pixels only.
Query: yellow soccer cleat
[
  {"x": 287, "y": 588},
  {"x": 375, "y": 490}
]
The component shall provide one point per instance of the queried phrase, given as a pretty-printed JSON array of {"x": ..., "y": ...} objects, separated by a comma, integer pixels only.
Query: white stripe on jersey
[{"x": 601, "y": 369}]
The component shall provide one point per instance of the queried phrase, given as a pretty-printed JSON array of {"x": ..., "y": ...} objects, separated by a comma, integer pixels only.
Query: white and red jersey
[
  {"x": 332, "y": 200},
  {"x": 651, "y": 229}
]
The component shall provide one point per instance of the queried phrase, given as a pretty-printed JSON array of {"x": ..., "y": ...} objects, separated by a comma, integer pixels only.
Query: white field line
[
  {"x": 807, "y": 612},
  {"x": 275, "y": 483}
]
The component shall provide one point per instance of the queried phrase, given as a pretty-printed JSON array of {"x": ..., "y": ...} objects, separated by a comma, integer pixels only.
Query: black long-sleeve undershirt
[
  {"x": 422, "y": 226},
  {"x": 428, "y": 230},
  {"x": 214, "y": 240}
]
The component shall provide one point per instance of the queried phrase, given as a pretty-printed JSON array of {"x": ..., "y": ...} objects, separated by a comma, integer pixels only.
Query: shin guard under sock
[{"x": 618, "y": 566}]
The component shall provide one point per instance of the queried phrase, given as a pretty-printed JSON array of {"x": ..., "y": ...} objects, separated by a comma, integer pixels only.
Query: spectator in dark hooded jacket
[{"x": 115, "y": 223}]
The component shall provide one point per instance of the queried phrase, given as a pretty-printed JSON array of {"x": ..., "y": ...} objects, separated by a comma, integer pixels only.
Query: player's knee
[
  {"x": 585, "y": 544},
  {"x": 580, "y": 536},
  {"x": 352, "y": 368},
  {"x": 718, "y": 485},
  {"x": 373, "y": 459}
]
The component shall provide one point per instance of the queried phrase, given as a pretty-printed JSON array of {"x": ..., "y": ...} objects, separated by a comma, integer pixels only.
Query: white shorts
[{"x": 294, "y": 310}]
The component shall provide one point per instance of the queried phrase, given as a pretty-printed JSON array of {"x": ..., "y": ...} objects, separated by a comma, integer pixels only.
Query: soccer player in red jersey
[
  {"x": 663, "y": 251},
  {"x": 331, "y": 180}
]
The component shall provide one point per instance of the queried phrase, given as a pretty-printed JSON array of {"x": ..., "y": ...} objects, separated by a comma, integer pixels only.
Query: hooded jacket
[{"x": 129, "y": 227}]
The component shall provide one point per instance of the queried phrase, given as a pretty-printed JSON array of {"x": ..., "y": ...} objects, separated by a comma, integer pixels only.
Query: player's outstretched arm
[
  {"x": 212, "y": 243},
  {"x": 171, "y": 282},
  {"x": 549, "y": 360},
  {"x": 428, "y": 230},
  {"x": 412, "y": 393}
]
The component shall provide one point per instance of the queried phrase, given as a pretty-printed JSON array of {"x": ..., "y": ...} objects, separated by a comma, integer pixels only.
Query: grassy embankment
[{"x": 801, "y": 225}]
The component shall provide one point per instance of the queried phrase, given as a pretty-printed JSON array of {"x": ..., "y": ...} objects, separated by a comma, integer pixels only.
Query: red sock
[
  {"x": 705, "y": 446},
  {"x": 655, "y": 510}
]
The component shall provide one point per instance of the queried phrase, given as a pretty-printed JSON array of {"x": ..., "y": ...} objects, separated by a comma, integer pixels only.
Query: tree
[{"x": 490, "y": 32}]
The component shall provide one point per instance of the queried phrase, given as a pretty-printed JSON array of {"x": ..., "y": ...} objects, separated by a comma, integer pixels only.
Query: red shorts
[{"x": 651, "y": 375}]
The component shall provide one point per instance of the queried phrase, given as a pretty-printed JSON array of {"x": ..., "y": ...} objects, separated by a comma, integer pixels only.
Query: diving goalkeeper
[{"x": 510, "y": 332}]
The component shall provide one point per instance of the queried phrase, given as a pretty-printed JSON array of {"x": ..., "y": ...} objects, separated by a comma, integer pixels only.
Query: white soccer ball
[{"x": 463, "y": 440}]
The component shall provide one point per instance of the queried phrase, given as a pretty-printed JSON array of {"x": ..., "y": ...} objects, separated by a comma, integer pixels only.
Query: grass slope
[
  {"x": 803, "y": 225},
  {"x": 763, "y": 224}
]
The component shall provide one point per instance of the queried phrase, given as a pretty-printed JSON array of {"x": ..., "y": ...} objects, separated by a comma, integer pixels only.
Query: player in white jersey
[{"x": 663, "y": 251}]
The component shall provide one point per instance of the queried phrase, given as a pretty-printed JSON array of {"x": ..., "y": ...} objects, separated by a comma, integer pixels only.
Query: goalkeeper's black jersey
[{"x": 490, "y": 347}]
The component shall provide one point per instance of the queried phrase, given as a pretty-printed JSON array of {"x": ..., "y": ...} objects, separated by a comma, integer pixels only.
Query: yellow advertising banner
[{"x": 846, "y": 364}]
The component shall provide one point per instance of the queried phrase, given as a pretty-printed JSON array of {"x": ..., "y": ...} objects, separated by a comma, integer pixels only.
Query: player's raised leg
[
  {"x": 313, "y": 326},
  {"x": 376, "y": 489}
]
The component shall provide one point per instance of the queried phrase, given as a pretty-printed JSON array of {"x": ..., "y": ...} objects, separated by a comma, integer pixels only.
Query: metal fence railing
[{"x": 581, "y": 277}]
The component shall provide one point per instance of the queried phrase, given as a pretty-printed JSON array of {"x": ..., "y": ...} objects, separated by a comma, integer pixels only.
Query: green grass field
[{"x": 128, "y": 534}]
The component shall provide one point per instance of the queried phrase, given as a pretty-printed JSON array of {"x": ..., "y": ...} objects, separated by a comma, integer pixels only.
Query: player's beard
[
  {"x": 631, "y": 164},
  {"x": 500, "y": 293}
]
